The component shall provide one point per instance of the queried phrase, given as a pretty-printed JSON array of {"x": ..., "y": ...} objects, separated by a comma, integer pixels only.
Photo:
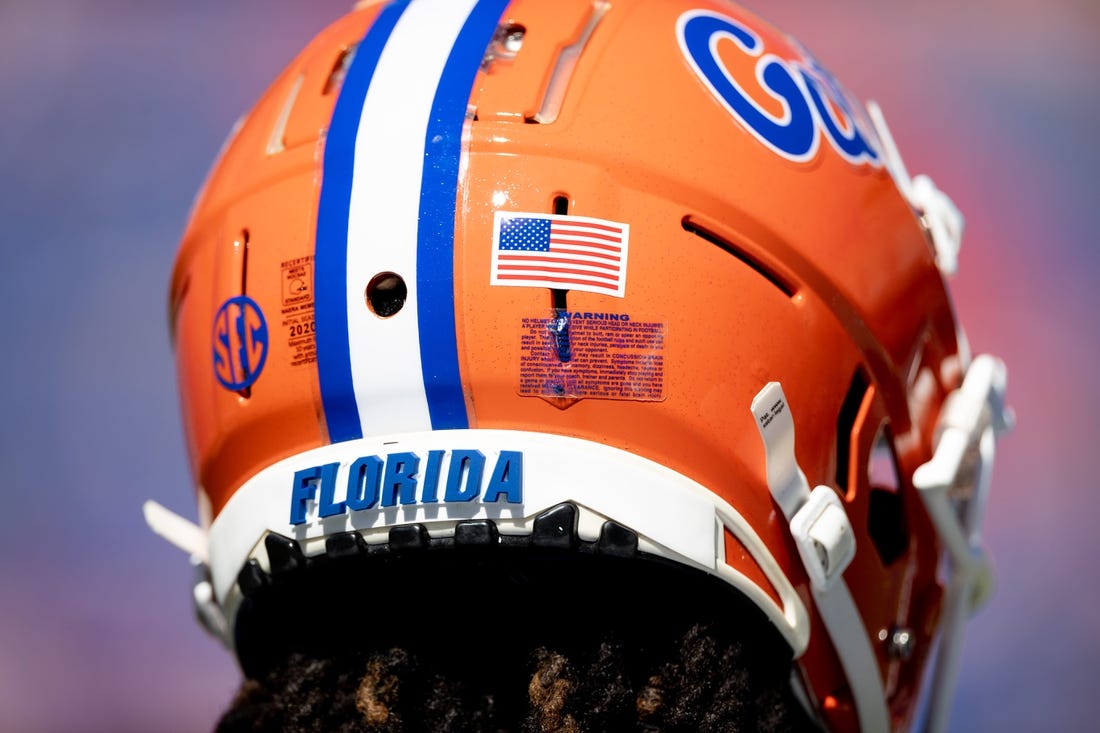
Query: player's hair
[
  {"x": 526, "y": 645},
  {"x": 708, "y": 683}
]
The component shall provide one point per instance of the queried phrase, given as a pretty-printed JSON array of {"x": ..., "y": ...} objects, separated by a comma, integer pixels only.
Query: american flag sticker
[{"x": 560, "y": 252}]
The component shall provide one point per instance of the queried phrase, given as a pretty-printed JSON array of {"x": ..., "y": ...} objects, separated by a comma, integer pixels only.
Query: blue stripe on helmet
[{"x": 439, "y": 190}]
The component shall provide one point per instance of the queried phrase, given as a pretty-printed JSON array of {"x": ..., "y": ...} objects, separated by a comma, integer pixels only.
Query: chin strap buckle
[{"x": 823, "y": 533}]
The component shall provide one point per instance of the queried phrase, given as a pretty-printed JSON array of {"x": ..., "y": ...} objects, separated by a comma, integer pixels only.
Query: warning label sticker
[
  {"x": 298, "y": 324},
  {"x": 592, "y": 355}
]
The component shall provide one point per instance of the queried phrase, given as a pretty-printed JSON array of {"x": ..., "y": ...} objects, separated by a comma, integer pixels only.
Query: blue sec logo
[{"x": 240, "y": 343}]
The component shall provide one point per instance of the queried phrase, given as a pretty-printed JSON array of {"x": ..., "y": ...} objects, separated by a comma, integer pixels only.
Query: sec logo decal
[{"x": 240, "y": 343}]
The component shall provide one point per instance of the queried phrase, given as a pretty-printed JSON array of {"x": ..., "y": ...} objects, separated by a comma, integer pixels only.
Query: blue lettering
[
  {"x": 364, "y": 483},
  {"x": 376, "y": 482},
  {"x": 302, "y": 490},
  {"x": 400, "y": 479},
  {"x": 468, "y": 464},
  {"x": 813, "y": 101},
  {"x": 794, "y": 135},
  {"x": 596, "y": 317},
  {"x": 853, "y": 145},
  {"x": 327, "y": 507},
  {"x": 507, "y": 478},
  {"x": 429, "y": 487}
]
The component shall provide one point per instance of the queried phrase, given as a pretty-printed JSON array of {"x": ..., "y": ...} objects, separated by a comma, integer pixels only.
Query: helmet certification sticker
[
  {"x": 240, "y": 343},
  {"x": 583, "y": 355},
  {"x": 298, "y": 323}
]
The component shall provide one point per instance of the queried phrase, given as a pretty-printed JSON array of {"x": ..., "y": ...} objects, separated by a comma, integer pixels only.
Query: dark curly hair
[{"x": 521, "y": 642}]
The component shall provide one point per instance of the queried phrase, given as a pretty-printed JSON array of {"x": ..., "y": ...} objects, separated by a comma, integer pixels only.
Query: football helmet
[{"x": 638, "y": 278}]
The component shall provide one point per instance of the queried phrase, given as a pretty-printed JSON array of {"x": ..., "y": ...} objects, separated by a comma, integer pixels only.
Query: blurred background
[{"x": 111, "y": 113}]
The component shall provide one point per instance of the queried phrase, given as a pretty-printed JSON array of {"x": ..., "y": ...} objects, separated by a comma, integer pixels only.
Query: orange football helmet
[{"x": 640, "y": 278}]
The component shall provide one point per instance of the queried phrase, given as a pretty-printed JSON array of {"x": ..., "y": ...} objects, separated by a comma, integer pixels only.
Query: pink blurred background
[{"x": 112, "y": 112}]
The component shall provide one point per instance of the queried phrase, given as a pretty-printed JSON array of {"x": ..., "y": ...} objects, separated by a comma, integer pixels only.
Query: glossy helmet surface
[{"x": 467, "y": 264}]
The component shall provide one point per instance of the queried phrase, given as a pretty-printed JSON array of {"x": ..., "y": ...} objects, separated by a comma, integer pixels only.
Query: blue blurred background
[{"x": 110, "y": 115}]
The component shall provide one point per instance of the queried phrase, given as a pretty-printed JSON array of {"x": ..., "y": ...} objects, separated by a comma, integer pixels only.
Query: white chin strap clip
[{"x": 823, "y": 533}]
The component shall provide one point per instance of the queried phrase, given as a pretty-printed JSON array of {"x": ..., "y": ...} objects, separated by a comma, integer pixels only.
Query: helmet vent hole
[
  {"x": 886, "y": 524},
  {"x": 886, "y": 521},
  {"x": 339, "y": 69},
  {"x": 691, "y": 225},
  {"x": 386, "y": 293},
  {"x": 845, "y": 422},
  {"x": 243, "y": 244}
]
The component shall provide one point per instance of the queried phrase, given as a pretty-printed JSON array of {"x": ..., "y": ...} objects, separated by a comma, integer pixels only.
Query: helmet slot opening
[
  {"x": 886, "y": 521},
  {"x": 339, "y": 69},
  {"x": 845, "y": 421},
  {"x": 690, "y": 225},
  {"x": 242, "y": 244}
]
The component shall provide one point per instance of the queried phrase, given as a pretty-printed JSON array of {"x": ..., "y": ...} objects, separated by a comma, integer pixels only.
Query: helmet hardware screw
[
  {"x": 901, "y": 643},
  {"x": 513, "y": 38},
  {"x": 506, "y": 43}
]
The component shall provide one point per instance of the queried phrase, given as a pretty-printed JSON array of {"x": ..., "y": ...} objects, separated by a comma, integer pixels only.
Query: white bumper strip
[{"x": 673, "y": 516}]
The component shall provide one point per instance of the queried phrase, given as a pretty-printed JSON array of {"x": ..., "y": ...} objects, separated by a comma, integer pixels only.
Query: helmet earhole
[{"x": 386, "y": 293}]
